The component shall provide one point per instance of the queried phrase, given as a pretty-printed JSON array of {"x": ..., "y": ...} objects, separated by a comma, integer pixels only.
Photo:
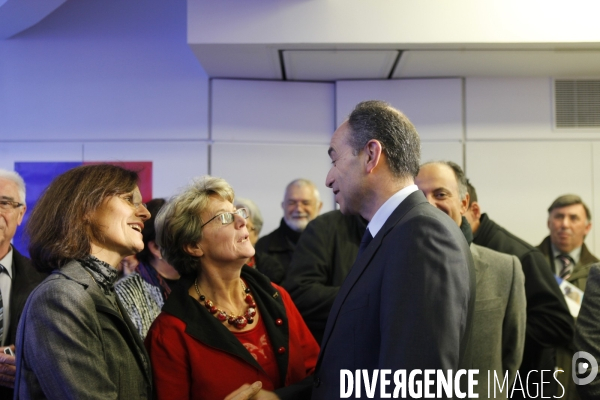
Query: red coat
[{"x": 194, "y": 356}]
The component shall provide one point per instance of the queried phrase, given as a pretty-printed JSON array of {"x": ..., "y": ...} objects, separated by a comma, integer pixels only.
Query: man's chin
[{"x": 297, "y": 225}]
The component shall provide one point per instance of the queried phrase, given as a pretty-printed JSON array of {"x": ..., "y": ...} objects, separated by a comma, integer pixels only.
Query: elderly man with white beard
[{"x": 301, "y": 204}]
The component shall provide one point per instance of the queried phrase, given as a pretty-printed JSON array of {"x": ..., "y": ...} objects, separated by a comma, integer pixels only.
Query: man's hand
[
  {"x": 245, "y": 392},
  {"x": 8, "y": 368}
]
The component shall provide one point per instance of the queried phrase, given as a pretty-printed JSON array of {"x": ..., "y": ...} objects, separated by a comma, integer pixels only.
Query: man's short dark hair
[
  {"x": 399, "y": 139},
  {"x": 472, "y": 192},
  {"x": 570, "y": 200}
]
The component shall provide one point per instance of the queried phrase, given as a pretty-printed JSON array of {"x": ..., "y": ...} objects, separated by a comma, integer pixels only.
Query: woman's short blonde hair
[{"x": 179, "y": 222}]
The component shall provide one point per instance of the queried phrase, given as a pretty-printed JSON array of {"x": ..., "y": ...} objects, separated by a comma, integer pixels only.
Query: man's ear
[
  {"x": 588, "y": 228},
  {"x": 373, "y": 152},
  {"x": 464, "y": 204},
  {"x": 21, "y": 214},
  {"x": 476, "y": 210},
  {"x": 194, "y": 249}
]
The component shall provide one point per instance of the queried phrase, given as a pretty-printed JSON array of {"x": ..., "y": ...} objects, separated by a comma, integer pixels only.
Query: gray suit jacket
[
  {"x": 499, "y": 321},
  {"x": 73, "y": 344}
]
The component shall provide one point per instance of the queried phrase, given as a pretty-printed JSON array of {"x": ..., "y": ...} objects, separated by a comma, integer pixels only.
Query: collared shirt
[
  {"x": 5, "y": 286},
  {"x": 388, "y": 208},
  {"x": 558, "y": 266}
]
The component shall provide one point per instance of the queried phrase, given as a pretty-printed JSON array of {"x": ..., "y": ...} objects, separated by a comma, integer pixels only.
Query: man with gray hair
[
  {"x": 17, "y": 276},
  {"x": 301, "y": 204},
  {"x": 569, "y": 222}
]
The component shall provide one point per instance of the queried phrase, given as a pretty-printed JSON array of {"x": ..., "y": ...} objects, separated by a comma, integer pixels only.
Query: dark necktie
[
  {"x": 567, "y": 265},
  {"x": 364, "y": 242},
  {"x": 1, "y": 310}
]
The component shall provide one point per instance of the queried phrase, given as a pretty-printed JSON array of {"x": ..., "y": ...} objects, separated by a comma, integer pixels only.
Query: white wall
[
  {"x": 519, "y": 163},
  {"x": 116, "y": 81},
  {"x": 110, "y": 80},
  {"x": 266, "y": 134}
]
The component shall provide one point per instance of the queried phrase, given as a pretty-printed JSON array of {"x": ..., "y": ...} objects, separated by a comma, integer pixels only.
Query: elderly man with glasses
[{"x": 17, "y": 276}]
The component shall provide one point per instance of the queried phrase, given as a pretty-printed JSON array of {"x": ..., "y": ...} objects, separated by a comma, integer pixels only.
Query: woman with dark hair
[
  {"x": 74, "y": 339},
  {"x": 225, "y": 325},
  {"x": 144, "y": 291}
]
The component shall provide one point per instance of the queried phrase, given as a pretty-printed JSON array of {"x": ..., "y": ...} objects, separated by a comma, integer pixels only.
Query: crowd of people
[{"x": 409, "y": 274}]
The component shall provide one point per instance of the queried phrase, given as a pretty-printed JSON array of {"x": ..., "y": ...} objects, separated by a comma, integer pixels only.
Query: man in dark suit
[
  {"x": 587, "y": 336},
  {"x": 569, "y": 222},
  {"x": 408, "y": 299},
  {"x": 17, "y": 276},
  {"x": 549, "y": 323}
]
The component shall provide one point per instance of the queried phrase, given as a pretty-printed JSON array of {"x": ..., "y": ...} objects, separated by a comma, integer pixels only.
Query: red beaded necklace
[{"x": 239, "y": 321}]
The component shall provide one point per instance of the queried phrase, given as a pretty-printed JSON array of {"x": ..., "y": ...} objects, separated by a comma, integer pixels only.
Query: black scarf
[
  {"x": 466, "y": 230},
  {"x": 104, "y": 275}
]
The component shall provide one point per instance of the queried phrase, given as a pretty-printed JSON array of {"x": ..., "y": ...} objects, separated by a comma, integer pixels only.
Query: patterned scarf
[
  {"x": 104, "y": 275},
  {"x": 150, "y": 275}
]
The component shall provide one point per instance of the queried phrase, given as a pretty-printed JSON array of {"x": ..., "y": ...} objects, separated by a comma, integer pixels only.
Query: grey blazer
[
  {"x": 499, "y": 321},
  {"x": 73, "y": 344}
]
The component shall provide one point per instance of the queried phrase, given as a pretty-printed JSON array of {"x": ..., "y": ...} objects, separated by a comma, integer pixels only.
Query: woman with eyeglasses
[
  {"x": 228, "y": 325},
  {"x": 74, "y": 339}
]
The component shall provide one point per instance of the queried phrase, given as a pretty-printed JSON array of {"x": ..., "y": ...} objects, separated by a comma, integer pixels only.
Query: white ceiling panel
[
  {"x": 331, "y": 65},
  {"x": 246, "y": 61},
  {"x": 488, "y": 63}
]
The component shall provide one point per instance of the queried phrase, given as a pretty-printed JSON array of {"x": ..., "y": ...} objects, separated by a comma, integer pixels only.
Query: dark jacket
[
  {"x": 280, "y": 245},
  {"x": 73, "y": 344},
  {"x": 549, "y": 323},
  {"x": 407, "y": 302},
  {"x": 579, "y": 278},
  {"x": 323, "y": 257},
  {"x": 582, "y": 269},
  {"x": 24, "y": 279},
  {"x": 196, "y": 357},
  {"x": 587, "y": 337}
]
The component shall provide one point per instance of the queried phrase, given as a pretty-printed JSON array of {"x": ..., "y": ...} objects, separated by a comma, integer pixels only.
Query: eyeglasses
[
  {"x": 129, "y": 199},
  {"x": 228, "y": 217},
  {"x": 8, "y": 205}
]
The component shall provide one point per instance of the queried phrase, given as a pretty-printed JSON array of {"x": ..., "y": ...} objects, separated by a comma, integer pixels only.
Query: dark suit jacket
[
  {"x": 587, "y": 337},
  {"x": 582, "y": 269},
  {"x": 280, "y": 245},
  {"x": 579, "y": 277},
  {"x": 73, "y": 343},
  {"x": 24, "y": 279},
  {"x": 407, "y": 302},
  {"x": 323, "y": 257}
]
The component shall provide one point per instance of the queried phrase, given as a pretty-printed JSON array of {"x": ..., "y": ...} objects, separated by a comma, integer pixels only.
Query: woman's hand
[
  {"x": 245, "y": 392},
  {"x": 265, "y": 395}
]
